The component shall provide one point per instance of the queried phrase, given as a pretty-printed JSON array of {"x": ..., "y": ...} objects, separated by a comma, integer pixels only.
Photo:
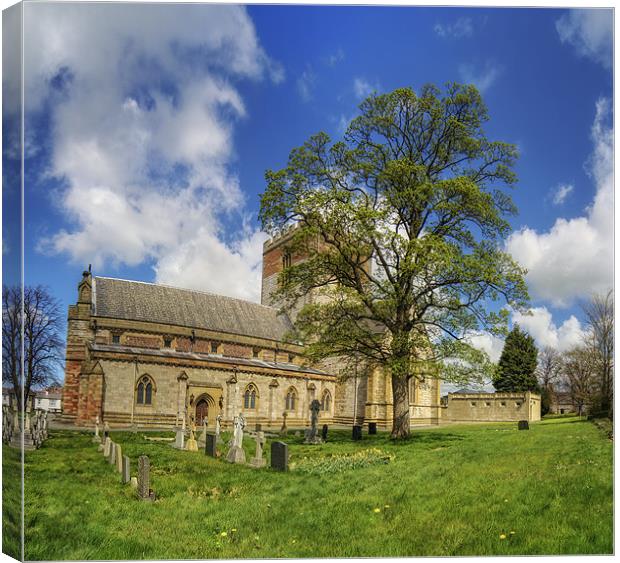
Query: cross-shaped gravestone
[
  {"x": 236, "y": 453},
  {"x": 312, "y": 435},
  {"x": 258, "y": 460},
  {"x": 284, "y": 429}
]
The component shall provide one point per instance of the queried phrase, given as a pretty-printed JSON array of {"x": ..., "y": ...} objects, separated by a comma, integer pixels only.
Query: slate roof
[
  {"x": 140, "y": 301},
  {"x": 253, "y": 362}
]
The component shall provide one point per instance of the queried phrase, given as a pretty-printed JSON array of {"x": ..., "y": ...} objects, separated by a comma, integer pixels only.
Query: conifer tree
[{"x": 516, "y": 370}]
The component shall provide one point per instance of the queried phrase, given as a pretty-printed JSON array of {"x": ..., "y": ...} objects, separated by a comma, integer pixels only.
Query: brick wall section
[
  {"x": 236, "y": 350},
  {"x": 142, "y": 341}
]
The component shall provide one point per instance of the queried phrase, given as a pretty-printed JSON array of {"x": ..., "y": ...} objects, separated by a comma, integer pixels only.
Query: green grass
[
  {"x": 448, "y": 491},
  {"x": 11, "y": 502}
]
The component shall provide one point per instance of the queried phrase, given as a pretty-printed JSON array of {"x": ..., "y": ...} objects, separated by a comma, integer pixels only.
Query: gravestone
[
  {"x": 258, "y": 427},
  {"x": 279, "y": 456},
  {"x": 258, "y": 460},
  {"x": 218, "y": 429},
  {"x": 106, "y": 447},
  {"x": 133, "y": 482},
  {"x": 357, "y": 432},
  {"x": 297, "y": 434},
  {"x": 312, "y": 435},
  {"x": 106, "y": 429},
  {"x": 180, "y": 439},
  {"x": 524, "y": 425},
  {"x": 236, "y": 453},
  {"x": 192, "y": 445},
  {"x": 126, "y": 475},
  {"x": 211, "y": 445},
  {"x": 202, "y": 439},
  {"x": 284, "y": 429},
  {"x": 372, "y": 428},
  {"x": 144, "y": 479},
  {"x": 324, "y": 432},
  {"x": 112, "y": 458},
  {"x": 119, "y": 458},
  {"x": 96, "y": 437}
]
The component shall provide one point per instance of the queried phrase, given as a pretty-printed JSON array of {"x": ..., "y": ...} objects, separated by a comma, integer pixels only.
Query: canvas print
[{"x": 306, "y": 281}]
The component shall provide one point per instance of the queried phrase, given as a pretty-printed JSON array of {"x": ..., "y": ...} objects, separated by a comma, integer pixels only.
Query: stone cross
[
  {"x": 236, "y": 453},
  {"x": 312, "y": 436},
  {"x": 126, "y": 476},
  {"x": 218, "y": 428},
  {"x": 258, "y": 460},
  {"x": 284, "y": 429},
  {"x": 144, "y": 482}
]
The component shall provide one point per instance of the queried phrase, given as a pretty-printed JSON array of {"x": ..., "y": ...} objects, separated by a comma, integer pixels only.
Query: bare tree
[
  {"x": 599, "y": 340},
  {"x": 548, "y": 373},
  {"x": 36, "y": 320},
  {"x": 579, "y": 369}
]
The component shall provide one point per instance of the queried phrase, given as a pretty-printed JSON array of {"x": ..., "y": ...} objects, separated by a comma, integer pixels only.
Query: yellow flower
[
  {"x": 377, "y": 510},
  {"x": 223, "y": 534},
  {"x": 502, "y": 536},
  {"x": 512, "y": 533},
  {"x": 234, "y": 530},
  {"x": 386, "y": 506},
  {"x": 505, "y": 500},
  {"x": 294, "y": 541}
]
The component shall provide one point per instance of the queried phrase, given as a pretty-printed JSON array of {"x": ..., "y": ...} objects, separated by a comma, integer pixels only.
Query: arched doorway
[{"x": 202, "y": 411}]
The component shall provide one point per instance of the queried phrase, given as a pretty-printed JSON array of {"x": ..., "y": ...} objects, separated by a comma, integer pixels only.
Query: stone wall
[{"x": 491, "y": 407}]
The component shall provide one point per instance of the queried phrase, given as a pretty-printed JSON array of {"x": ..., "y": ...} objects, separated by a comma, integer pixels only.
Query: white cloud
[
  {"x": 334, "y": 58},
  {"x": 362, "y": 88},
  {"x": 590, "y": 32},
  {"x": 482, "y": 78},
  {"x": 462, "y": 27},
  {"x": 575, "y": 257},
  {"x": 488, "y": 343},
  {"x": 143, "y": 106},
  {"x": 561, "y": 193},
  {"x": 539, "y": 324},
  {"x": 306, "y": 84}
]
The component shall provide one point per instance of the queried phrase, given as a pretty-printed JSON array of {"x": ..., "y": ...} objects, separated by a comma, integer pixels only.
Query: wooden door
[{"x": 202, "y": 411}]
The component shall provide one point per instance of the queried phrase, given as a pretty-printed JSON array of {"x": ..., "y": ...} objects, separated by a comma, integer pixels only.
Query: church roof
[{"x": 140, "y": 301}]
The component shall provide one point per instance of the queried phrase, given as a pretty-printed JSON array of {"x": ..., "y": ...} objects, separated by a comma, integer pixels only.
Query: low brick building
[{"x": 491, "y": 407}]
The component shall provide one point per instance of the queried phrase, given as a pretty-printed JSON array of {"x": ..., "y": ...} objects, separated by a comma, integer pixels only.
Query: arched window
[
  {"x": 291, "y": 399},
  {"x": 250, "y": 396},
  {"x": 145, "y": 391},
  {"x": 326, "y": 401}
]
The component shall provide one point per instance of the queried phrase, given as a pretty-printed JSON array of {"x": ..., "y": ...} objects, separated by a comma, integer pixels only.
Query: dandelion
[
  {"x": 224, "y": 534},
  {"x": 377, "y": 510},
  {"x": 512, "y": 533},
  {"x": 234, "y": 530},
  {"x": 505, "y": 500},
  {"x": 294, "y": 541},
  {"x": 386, "y": 506},
  {"x": 256, "y": 538},
  {"x": 502, "y": 536}
]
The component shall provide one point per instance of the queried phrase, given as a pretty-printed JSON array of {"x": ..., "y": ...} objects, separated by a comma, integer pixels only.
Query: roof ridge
[{"x": 202, "y": 291}]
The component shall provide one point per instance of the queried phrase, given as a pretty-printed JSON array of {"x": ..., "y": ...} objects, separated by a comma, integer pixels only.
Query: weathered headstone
[
  {"x": 134, "y": 482},
  {"x": 106, "y": 447},
  {"x": 96, "y": 437},
  {"x": 192, "y": 445},
  {"x": 524, "y": 425},
  {"x": 258, "y": 427},
  {"x": 126, "y": 474},
  {"x": 144, "y": 479},
  {"x": 284, "y": 429},
  {"x": 372, "y": 428},
  {"x": 279, "y": 456},
  {"x": 119, "y": 458},
  {"x": 236, "y": 453},
  {"x": 202, "y": 439},
  {"x": 324, "y": 432},
  {"x": 258, "y": 460},
  {"x": 218, "y": 428},
  {"x": 211, "y": 445},
  {"x": 297, "y": 434},
  {"x": 179, "y": 442},
  {"x": 357, "y": 432},
  {"x": 112, "y": 458},
  {"x": 312, "y": 436}
]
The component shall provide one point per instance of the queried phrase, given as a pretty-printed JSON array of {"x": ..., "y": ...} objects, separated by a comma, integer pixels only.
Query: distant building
[
  {"x": 49, "y": 399},
  {"x": 491, "y": 407},
  {"x": 563, "y": 403}
]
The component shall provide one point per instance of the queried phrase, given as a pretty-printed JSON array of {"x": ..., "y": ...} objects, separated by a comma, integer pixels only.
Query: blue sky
[{"x": 149, "y": 129}]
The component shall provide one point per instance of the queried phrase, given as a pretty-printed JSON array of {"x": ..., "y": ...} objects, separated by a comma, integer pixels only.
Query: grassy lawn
[{"x": 448, "y": 491}]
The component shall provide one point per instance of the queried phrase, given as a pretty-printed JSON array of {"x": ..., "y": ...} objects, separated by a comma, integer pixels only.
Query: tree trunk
[{"x": 400, "y": 394}]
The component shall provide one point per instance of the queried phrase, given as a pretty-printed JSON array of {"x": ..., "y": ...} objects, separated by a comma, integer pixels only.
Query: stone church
[{"x": 146, "y": 354}]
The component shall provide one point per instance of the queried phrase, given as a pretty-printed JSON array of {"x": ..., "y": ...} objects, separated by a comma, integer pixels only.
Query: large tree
[
  {"x": 516, "y": 370},
  {"x": 31, "y": 329},
  {"x": 579, "y": 368},
  {"x": 599, "y": 342},
  {"x": 402, "y": 223},
  {"x": 548, "y": 373}
]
